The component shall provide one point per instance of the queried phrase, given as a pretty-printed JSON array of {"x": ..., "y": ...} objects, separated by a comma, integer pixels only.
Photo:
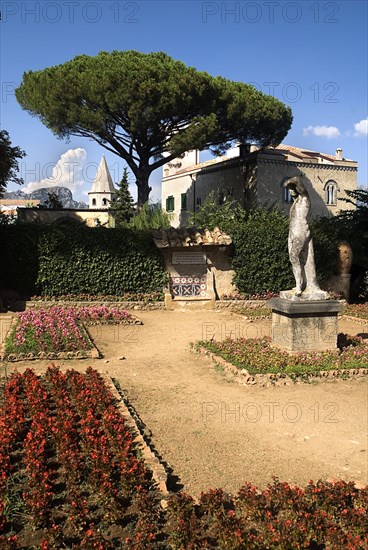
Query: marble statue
[{"x": 300, "y": 246}]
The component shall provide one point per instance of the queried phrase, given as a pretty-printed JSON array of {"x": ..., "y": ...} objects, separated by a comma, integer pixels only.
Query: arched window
[
  {"x": 331, "y": 190},
  {"x": 286, "y": 197},
  {"x": 93, "y": 202},
  {"x": 104, "y": 202}
]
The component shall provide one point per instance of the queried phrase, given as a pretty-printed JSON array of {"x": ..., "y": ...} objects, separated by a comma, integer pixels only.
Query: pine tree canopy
[{"x": 149, "y": 108}]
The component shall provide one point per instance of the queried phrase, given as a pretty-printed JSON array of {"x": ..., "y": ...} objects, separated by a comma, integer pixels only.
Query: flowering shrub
[
  {"x": 68, "y": 456},
  {"x": 256, "y": 355},
  {"x": 58, "y": 329},
  {"x": 99, "y": 313}
]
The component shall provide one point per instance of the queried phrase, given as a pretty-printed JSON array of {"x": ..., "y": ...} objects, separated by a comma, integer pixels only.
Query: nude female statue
[{"x": 300, "y": 242}]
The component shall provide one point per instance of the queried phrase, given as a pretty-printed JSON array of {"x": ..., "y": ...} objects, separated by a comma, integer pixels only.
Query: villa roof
[
  {"x": 303, "y": 153},
  {"x": 289, "y": 151},
  {"x": 103, "y": 182},
  {"x": 190, "y": 236}
]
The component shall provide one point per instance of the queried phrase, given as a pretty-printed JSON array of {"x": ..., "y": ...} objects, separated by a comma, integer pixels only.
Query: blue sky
[{"x": 310, "y": 54}]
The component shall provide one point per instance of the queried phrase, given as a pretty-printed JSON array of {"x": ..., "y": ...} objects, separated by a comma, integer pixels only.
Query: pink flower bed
[{"x": 58, "y": 329}]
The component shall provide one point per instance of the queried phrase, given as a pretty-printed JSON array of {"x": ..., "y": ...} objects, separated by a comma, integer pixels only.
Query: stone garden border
[
  {"x": 354, "y": 319},
  {"x": 151, "y": 460},
  {"x": 244, "y": 378}
]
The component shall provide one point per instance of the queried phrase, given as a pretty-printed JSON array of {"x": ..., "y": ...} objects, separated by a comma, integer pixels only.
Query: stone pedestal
[{"x": 304, "y": 325}]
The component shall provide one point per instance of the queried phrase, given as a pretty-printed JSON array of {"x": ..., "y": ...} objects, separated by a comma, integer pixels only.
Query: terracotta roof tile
[
  {"x": 190, "y": 236},
  {"x": 298, "y": 151},
  {"x": 282, "y": 148}
]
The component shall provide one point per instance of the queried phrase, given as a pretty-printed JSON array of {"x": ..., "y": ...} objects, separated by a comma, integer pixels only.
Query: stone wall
[
  {"x": 216, "y": 269},
  {"x": 272, "y": 173},
  {"x": 66, "y": 216}
]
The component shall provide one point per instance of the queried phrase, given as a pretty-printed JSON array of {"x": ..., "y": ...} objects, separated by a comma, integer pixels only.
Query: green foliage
[
  {"x": 352, "y": 225},
  {"x": 78, "y": 260},
  {"x": 7, "y": 219},
  {"x": 151, "y": 216},
  {"x": 325, "y": 241},
  {"x": 261, "y": 258},
  {"x": 123, "y": 206},
  {"x": 211, "y": 214},
  {"x": 144, "y": 105},
  {"x": 9, "y": 157},
  {"x": 19, "y": 253}
]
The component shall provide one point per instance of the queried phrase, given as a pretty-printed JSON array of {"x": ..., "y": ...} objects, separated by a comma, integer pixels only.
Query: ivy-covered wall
[
  {"x": 54, "y": 261},
  {"x": 261, "y": 259}
]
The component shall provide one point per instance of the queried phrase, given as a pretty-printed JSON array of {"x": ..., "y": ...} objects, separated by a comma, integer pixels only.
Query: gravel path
[{"x": 213, "y": 432}]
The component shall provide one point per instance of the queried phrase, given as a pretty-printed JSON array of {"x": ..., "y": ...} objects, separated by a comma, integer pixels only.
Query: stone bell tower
[{"x": 103, "y": 190}]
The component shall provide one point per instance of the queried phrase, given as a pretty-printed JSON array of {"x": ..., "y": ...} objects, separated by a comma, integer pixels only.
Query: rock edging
[
  {"x": 153, "y": 463},
  {"x": 353, "y": 319}
]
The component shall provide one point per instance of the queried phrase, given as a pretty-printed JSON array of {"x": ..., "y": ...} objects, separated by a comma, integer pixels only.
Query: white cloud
[
  {"x": 361, "y": 128},
  {"x": 67, "y": 172},
  {"x": 322, "y": 131}
]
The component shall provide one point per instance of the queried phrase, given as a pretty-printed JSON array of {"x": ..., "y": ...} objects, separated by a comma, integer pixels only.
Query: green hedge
[
  {"x": 48, "y": 260},
  {"x": 54, "y": 261},
  {"x": 261, "y": 258}
]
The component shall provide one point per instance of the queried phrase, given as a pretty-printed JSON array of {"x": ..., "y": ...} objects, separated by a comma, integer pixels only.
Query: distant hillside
[{"x": 63, "y": 194}]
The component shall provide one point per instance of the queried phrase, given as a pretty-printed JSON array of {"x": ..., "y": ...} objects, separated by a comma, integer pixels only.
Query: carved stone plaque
[{"x": 191, "y": 258}]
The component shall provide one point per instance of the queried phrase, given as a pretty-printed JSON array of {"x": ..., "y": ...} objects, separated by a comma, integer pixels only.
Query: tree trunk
[{"x": 143, "y": 188}]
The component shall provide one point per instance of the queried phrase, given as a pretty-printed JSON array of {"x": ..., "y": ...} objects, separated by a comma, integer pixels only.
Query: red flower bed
[
  {"x": 70, "y": 475},
  {"x": 320, "y": 516}
]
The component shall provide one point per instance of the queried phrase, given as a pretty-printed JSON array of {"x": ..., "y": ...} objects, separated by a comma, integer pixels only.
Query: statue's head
[{"x": 295, "y": 184}]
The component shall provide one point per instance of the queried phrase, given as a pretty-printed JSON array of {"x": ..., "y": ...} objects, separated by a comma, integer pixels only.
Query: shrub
[
  {"x": 79, "y": 260},
  {"x": 150, "y": 216},
  {"x": 212, "y": 214},
  {"x": 261, "y": 258},
  {"x": 19, "y": 253}
]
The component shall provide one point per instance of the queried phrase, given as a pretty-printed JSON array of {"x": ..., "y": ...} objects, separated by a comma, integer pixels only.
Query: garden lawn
[{"x": 257, "y": 356}]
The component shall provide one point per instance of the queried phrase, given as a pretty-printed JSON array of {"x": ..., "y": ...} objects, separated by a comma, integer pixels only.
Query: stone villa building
[{"x": 255, "y": 178}]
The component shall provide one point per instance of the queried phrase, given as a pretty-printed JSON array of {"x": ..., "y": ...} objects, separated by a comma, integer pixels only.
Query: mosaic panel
[{"x": 188, "y": 286}]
